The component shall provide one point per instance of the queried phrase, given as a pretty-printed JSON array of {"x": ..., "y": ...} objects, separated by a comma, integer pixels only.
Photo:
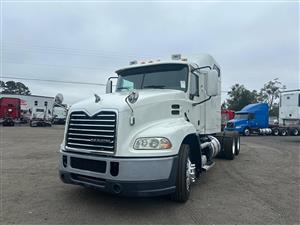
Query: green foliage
[
  {"x": 239, "y": 97},
  {"x": 270, "y": 92},
  {"x": 12, "y": 87}
]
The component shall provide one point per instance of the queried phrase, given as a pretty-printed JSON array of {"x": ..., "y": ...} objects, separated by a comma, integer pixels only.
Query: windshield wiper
[{"x": 155, "y": 86}]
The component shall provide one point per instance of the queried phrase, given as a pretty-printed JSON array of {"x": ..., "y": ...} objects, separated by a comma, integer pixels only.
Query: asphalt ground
[{"x": 261, "y": 186}]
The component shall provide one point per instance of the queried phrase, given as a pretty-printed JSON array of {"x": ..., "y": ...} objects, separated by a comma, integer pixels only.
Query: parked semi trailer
[
  {"x": 254, "y": 118},
  {"x": 155, "y": 135}
]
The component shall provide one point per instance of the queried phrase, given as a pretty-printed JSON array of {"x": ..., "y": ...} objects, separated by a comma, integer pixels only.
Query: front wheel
[
  {"x": 247, "y": 132},
  {"x": 183, "y": 176}
]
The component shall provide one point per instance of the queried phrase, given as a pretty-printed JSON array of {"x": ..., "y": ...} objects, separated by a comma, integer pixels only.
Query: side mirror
[
  {"x": 212, "y": 83},
  {"x": 109, "y": 86}
]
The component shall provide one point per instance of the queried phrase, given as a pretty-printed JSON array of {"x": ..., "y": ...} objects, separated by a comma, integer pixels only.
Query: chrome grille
[
  {"x": 230, "y": 125},
  {"x": 93, "y": 134}
]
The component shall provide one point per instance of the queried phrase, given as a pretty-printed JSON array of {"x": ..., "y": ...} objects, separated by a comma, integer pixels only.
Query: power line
[
  {"x": 54, "y": 81},
  {"x": 54, "y": 65}
]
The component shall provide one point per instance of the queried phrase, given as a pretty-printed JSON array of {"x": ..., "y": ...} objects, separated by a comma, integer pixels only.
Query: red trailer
[
  {"x": 226, "y": 115},
  {"x": 10, "y": 110}
]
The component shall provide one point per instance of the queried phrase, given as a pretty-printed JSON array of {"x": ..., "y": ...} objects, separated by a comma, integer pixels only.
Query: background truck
[
  {"x": 9, "y": 111},
  {"x": 40, "y": 117},
  {"x": 155, "y": 135},
  {"x": 226, "y": 115},
  {"x": 254, "y": 118},
  {"x": 59, "y": 114}
]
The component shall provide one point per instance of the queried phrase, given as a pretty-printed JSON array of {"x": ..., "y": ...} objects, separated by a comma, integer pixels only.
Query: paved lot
[{"x": 262, "y": 186}]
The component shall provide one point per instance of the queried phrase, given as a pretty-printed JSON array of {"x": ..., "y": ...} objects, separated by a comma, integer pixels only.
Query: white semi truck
[{"x": 154, "y": 135}]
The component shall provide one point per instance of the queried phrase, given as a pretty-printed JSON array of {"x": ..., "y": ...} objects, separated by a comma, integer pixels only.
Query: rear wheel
[
  {"x": 275, "y": 132},
  {"x": 229, "y": 148},
  {"x": 283, "y": 132},
  {"x": 295, "y": 132},
  {"x": 183, "y": 177}
]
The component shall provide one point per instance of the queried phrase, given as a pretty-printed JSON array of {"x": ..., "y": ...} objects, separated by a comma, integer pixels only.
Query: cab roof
[{"x": 199, "y": 60}]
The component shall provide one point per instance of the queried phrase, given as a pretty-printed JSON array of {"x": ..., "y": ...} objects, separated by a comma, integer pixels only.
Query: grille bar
[
  {"x": 91, "y": 125},
  {"x": 92, "y": 133},
  {"x": 85, "y": 120},
  {"x": 86, "y": 145},
  {"x": 82, "y": 129}
]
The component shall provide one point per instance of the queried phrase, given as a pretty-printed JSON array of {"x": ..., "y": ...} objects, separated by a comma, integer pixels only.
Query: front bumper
[
  {"x": 122, "y": 176},
  {"x": 237, "y": 129}
]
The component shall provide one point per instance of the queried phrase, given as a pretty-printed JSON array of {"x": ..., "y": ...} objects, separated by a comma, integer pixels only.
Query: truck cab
[
  {"x": 154, "y": 135},
  {"x": 250, "y": 119}
]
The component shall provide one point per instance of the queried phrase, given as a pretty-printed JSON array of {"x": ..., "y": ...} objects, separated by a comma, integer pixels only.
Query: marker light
[
  {"x": 153, "y": 143},
  {"x": 176, "y": 57},
  {"x": 133, "y": 62}
]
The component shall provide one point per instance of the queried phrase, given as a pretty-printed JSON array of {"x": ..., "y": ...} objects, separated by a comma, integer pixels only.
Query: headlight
[{"x": 152, "y": 143}]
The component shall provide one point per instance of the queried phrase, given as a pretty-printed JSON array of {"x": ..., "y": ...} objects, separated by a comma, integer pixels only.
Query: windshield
[
  {"x": 241, "y": 116},
  {"x": 165, "y": 76}
]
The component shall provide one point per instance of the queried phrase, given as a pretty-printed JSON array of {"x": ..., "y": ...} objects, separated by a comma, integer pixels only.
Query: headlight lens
[{"x": 152, "y": 143}]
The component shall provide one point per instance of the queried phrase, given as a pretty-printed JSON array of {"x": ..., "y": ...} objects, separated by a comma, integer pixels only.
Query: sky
[{"x": 88, "y": 41}]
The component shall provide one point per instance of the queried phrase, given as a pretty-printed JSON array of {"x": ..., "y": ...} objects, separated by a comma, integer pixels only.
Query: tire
[
  {"x": 237, "y": 145},
  {"x": 229, "y": 148},
  {"x": 182, "y": 191},
  {"x": 295, "y": 132},
  {"x": 275, "y": 132},
  {"x": 247, "y": 131},
  {"x": 283, "y": 132}
]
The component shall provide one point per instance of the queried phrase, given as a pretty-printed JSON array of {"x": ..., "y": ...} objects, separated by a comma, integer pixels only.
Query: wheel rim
[
  {"x": 233, "y": 148},
  {"x": 188, "y": 174},
  {"x": 284, "y": 133},
  {"x": 296, "y": 132},
  {"x": 276, "y": 132},
  {"x": 247, "y": 132},
  {"x": 238, "y": 144}
]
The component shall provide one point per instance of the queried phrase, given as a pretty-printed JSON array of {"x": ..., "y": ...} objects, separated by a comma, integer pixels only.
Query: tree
[
  {"x": 239, "y": 97},
  {"x": 12, "y": 87},
  {"x": 270, "y": 92}
]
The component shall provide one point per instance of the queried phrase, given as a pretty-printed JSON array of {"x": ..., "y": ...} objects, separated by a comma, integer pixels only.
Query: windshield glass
[
  {"x": 241, "y": 116},
  {"x": 165, "y": 76}
]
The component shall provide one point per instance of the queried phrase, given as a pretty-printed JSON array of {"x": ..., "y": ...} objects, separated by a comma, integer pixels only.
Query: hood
[
  {"x": 116, "y": 100},
  {"x": 238, "y": 122}
]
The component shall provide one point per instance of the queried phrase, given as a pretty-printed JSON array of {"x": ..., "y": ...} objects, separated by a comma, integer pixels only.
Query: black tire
[
  {"x": 182, "y": 192},
  {"x": 275, "y": 132},
  {"x": 295, "y": 132},
  {"x": 247, "y": 132},
  {"x": 229, "y": 148},
  {"x": 237, "y": 145},
  {"x": 284, "y": 132}
]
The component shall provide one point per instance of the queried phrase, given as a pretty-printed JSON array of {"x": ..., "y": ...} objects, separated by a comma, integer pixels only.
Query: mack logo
[{"x": 101, "y": 140}]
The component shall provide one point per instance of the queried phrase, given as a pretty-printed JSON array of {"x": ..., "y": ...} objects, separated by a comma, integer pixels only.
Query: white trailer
[
  {"x": 289, "y": 107},
  {"x": 289, "y": 114},
  {"x": 155, "y": 135}
]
